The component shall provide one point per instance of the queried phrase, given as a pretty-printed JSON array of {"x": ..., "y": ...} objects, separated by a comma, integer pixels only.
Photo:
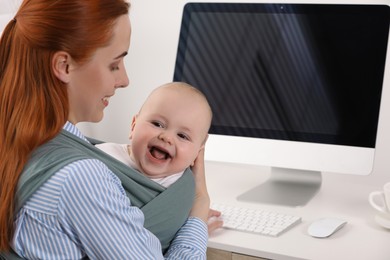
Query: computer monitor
[{"x": 296, "y": 87}]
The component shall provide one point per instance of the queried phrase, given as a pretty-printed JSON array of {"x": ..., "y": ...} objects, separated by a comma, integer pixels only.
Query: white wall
[
  {"x": 150, "y": 63},
  {"x": 7, "y": 9}
]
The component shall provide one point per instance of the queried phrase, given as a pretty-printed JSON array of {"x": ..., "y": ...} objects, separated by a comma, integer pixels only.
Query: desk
[{"x": 343, "y": 196}]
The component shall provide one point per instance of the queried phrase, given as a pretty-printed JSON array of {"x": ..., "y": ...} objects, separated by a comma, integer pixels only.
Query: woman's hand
[{"x": 201, "y": 205}]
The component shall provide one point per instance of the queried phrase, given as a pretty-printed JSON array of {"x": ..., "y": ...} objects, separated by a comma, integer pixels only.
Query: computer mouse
[{"x": 325, "y": 227}]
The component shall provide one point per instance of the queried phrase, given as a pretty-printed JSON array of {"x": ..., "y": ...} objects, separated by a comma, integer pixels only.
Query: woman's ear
[{"x": 60, "y": 66}]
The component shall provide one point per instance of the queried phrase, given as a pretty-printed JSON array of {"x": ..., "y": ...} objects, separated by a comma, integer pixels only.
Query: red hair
[{"x": 33, "y": 101}]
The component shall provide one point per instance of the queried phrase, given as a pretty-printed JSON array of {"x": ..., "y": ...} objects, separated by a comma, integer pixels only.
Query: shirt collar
[{"x": 71, "y": 128}]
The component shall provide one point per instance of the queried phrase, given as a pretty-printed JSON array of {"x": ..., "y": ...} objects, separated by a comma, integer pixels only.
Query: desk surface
[{"x": 343, "y": 196}]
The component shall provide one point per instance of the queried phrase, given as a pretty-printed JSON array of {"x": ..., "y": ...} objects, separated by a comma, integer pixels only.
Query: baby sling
[{"x": 165, "y": 209}]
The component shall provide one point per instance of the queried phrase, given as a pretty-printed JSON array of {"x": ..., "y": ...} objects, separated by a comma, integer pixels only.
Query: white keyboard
[{"x": 257, "y": 221}]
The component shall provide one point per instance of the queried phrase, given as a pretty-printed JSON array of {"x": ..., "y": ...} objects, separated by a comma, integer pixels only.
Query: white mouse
[{"x": 325, "y": 227}]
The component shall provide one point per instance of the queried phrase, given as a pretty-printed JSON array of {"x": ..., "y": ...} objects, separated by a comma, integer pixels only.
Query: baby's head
[{"x": 170, "y": 130}]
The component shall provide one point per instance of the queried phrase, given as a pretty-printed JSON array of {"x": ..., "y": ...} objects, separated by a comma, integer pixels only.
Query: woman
[{"x": 60, "y": 62}]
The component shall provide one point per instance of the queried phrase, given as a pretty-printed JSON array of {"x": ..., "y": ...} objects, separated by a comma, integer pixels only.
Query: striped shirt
[{"x": 83, "y": 210}]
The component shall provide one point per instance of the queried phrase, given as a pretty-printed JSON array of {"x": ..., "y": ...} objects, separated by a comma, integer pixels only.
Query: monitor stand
[{"x": 287, "y": 187}]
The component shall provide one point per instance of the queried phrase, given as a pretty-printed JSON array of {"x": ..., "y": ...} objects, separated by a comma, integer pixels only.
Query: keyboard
[{"x": 262, "y": 222}]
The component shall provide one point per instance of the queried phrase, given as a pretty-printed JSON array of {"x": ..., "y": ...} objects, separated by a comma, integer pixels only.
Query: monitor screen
[{"x": 292, "y": 86}]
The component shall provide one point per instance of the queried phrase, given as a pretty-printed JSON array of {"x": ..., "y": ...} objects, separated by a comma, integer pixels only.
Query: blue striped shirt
[{"x": 83, "y": 210}]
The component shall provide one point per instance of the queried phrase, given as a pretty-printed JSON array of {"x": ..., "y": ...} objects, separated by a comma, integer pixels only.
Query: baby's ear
[
  {"x": 205, "y": 140},
  {"x": 200, "y": 149},
  {"x": 132, "y": 126}
]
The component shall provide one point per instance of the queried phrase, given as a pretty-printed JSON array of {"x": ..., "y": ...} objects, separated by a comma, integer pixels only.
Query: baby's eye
[
  {"x": 157, "y": 124},
  {"x": 183, "y": 136}
]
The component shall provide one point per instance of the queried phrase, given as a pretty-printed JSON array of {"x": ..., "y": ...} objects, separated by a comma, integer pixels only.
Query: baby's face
[{"x": 169, "y": 132}]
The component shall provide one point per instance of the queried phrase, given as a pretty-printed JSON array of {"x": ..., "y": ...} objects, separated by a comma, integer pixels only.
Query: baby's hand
[{"x": 214, "y": 221}]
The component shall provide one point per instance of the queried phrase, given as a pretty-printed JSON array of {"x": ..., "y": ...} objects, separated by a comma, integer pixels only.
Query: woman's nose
[{"x": 123, "y": 80}]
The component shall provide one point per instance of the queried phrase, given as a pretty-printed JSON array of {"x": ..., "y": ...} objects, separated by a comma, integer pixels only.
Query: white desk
[{"x": 343, "y": 196}]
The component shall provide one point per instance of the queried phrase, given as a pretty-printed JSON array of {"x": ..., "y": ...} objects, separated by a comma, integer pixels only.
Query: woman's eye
[{"x": 114, "y": 68}]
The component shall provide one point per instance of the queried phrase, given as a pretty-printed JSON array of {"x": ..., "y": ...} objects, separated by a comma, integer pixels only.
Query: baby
[{"x": 167, "y": 133}]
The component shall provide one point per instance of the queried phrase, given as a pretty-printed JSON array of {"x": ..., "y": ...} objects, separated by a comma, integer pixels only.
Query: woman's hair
[{"x": 33, "y": 101}]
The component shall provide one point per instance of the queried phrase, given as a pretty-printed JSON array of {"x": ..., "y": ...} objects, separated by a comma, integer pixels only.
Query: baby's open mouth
[{"x": 159, "y": 154}]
